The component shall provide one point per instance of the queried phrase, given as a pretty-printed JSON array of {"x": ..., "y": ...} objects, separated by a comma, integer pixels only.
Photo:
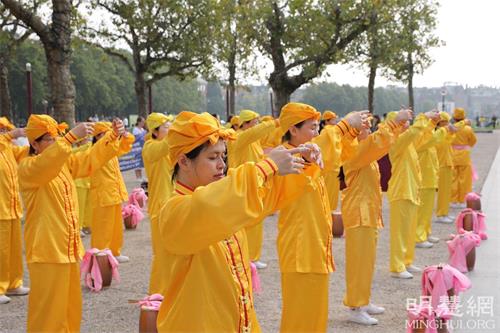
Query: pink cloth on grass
[
  {"x": 136, "y": 195},
  {"x": 478, "y": 222},
  {"x": 438, "y": 279},
  {"x": 134, "y": 211},
  {"x": 256, "y": 286},
  {"x": 93, "y": 277},
  {"x": 459, "y": 247},
  {"x": 152, "y": 301}
]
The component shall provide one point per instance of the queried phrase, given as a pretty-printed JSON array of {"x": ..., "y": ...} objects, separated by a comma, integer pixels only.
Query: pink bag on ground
[
  {"x": 91, "y": 272},
  {"x": 138, "y": 197},
  {"x": 132, "y": 215},
  {"x": 478, "y": 222},
  {"x": 459, "y": 247}
]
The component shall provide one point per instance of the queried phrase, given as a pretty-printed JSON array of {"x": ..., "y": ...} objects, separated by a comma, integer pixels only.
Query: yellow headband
[
  {"x": 39, "y": 124},
  {"x": 294, "y": 113},
  {"x": 5, "y": 123},
  {"x": 247, "y": 115},
  {"x": 155, "y": 120},
  {"x": 101, "y": 127},
  {"x": 459, "y": 113},
  {"x": 327, "y": 115}
]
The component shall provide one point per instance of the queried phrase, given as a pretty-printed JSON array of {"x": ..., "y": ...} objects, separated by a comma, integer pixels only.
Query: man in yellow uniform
[
  {"x": 361, "y": 211},
  {"x": 403, "y": 193},
  {"x": 11, "y": 262},
  {"x": 107, "y": 193},
  {"x": 429, "y": 166},
  {"x": 247, "y": 148},
  {"x": 464, "y": 140},
  {"x": 83, "y": 192},
  {"x": 203, "y": 241},
  {"x": 52, "y": 231},
  {"x": 445, "y": 156},
  {"x": 157, "y": 165}
]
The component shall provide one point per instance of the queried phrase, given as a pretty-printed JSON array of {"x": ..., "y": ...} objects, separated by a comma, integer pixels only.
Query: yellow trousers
[
  {"x": 305, "y": 302},
  {"x": 403, "y": 226},
  {"x": 11, "y": 256},
  {"x": 332, "y": 183},
  {"x": 255, "y": 236},
  {"x": 84, "y": 207},
  {"x": 424, "y": 214},
  {"x": 156, "y": 280},
  {"x": 462, "y": 182},
  {"x": 444, "y": 190},
  {"x": 107, "y": 228},
  {"x": 360, "y": 255},
  {"x": 55, "y": 299}
]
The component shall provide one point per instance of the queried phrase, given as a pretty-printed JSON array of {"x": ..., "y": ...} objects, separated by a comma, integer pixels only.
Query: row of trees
[{"x": 229, "y": 40}]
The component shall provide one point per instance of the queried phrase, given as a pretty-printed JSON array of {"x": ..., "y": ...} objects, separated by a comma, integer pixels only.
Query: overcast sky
[{"x": 471, "y": 56}]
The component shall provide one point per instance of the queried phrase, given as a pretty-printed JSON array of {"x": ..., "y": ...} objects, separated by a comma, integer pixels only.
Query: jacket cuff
[{"x": 267, "y": 168}]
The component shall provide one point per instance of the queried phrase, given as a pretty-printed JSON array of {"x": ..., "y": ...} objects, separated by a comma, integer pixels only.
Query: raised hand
[
  {"x": 118, "y": 126},
  {"x": 404, "y": 116},
  {"x": 17, "y": 132},
  {"x": 82, "y": 130},
  {"x": 313, "y": 154},
  {"x": 433, "y": 115},
  {"x": 357, "y": 119},
  {"x": 286, "y": 161}
]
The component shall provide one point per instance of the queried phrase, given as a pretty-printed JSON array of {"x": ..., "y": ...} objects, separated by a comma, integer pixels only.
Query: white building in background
[{"x": 448, "y": 106}]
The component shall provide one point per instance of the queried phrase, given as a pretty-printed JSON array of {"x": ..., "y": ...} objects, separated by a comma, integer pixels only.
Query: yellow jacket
[
  {"x": 247, "y": 147},
  {"x": 158, "y": 170},
  {"x": 463, "y": 137},
  {"x": 205, "y": 252},
  {"x": 428, "y": 159},
  {"x": 82, "y": 182},
  {"x": 52, "y": 231},
  {"x": 406, "y": 175},
  {"x": 107, "y": 187},
  {"x": 362, "y": 198},
  {"x": 272, "y": 139},
  {"x": 305, "y": 225},
  {"x": 10, "y": 155},
  {"x": 445, "y": 151}
]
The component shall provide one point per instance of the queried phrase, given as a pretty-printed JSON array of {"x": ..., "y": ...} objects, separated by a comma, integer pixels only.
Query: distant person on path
[{"x": 138, "y": 131}]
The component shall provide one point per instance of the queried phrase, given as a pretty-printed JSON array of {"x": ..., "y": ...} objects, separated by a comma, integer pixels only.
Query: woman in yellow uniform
[
  {"x": 445, "y": 156},
  {"x": 156, "y": 163},
  {"x": 52, "y": 231},
  {"x": 464, "y": 140},
  {"x": 247, "y": 148},
  {"x": 203, "y": 239},
  {"x": 83, "y": 192},
  {"x": 305, "y": 230},
  {"x": 362, "y": 211},
  {"x": 403, "y": 193},
  {"x": 107, "y": 193},
  {"x": 11, "y": 262}
]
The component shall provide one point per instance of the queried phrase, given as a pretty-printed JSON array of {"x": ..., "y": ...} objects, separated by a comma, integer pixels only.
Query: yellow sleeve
[
  {"x": 413, "y": 134},
  {"x": 472, "y": 137},
  {"x": 39, "y": 170},
  {"x": 253, "y": 134},
  {"x": 6, "y": 143},
  {"x": 374, "y": 147},
  {"x": 331, "y": 141},
  {"x": 126, "y": 142},
  {"x": 191, "y": 223},
  {"x": 155, "y": 150},
  {"x": 437, "y": 137},
  {"x": 273, "y": 139},
  {"x": 83, "y": 163}
]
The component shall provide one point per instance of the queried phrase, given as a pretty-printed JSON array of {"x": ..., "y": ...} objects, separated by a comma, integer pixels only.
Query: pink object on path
[
  {"x": 152, "y": 301},
  {"x": 459, "y": 247},
  {"x": 478, "y": 222},
  {"x": 138, "y": 197},
  {"x": 133, "y": 211},
  {"x": 255, "y": 278},
  {"x": 92, "y": 276}
]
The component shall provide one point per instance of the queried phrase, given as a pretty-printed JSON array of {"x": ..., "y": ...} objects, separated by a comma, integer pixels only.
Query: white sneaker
[
  {"x": 458, "y": 205},
  {"x": 433, "y": 239},
  {"x": 260, "y": 264},
  {"x": 357, "y": 315},
  {"x": 424, "y": 245},
  {"x": 373, "y": 309},
  {"x": 402, "y": 275},
  {"x": 451, "y": 218},
  {"x": 21, "y": 291},
  {"x": 121, "y": 259},
  {"x": 443, "y": 219},
  {"x": 4, "y": 299},
  {"x": 413, "y": 269}
]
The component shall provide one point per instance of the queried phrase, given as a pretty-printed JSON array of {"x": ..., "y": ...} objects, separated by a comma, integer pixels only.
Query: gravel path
[{"x": 109, "y": 310}]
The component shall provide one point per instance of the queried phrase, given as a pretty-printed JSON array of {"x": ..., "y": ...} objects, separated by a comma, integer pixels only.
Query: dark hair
[
  {"x": 32, "y": 150},
  {"x": 322, "y": 125},
  {"x": 153, "y": 135},
  {"x": 191, "y": 155},
  {"x": 139, "y": 119},
  {"x": 288, "y": 136}
]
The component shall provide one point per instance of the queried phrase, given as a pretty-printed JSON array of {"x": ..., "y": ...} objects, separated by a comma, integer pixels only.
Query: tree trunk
[
  {"x": 281, "y": 96},
  {"x": 140, "y": 94},
  {"x": 411, "y": 102},
  {"x": 371, "y": 86},
  {"x": 5, "y": 102},
  {"x": 232, "y": 80}
]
